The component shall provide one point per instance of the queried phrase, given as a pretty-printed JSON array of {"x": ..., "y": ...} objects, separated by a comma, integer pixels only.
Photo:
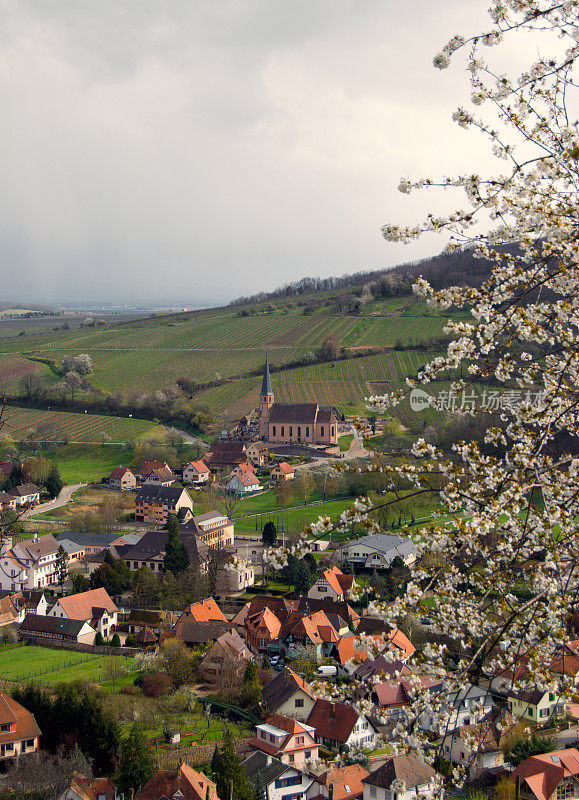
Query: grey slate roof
[
  {"x": 150, "y": 493},
  {"x": 408, "y": 768},
  {"x": 153, "y": 543},
  {"x": 266, "y": 382},
  {"x": 257, "y": 764},
  {"x": 88, "y": 539},
  {"x": 387, "y": 544},
  {"x": 38, "y": 623}
]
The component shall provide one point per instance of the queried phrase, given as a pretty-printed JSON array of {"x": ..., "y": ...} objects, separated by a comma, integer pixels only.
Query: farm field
[
  {"x": 46, "y": 665},
  {"x": 66, "y": 426},
  {"x": 13, "y": 367}
]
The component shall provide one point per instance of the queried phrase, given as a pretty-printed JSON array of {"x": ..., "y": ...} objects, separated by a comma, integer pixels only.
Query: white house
[
  {"x": 196, "y": 472},
  {"x": 244, "y": 484},
  {"x": 338, "y": 724},
  {"x": 402, "y": 778},
  {"x": 332, "y": 584},
  {"x": 378, "y": 552},
  {"x": 26, "y": 494},
  {"x": 29, "y": 564},
  {"x": 279, "y": 780},
  {"x": 480, "y": 746},
  {"x": 94, "y": 607},
  {"x": 467, "y": 706}
]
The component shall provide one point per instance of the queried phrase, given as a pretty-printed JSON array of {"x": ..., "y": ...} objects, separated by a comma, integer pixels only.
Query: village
[{"x": 309, "y": 686}]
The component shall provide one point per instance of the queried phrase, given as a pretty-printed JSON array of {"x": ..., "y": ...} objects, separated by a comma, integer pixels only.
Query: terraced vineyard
[{"x": 64, "y": 426}]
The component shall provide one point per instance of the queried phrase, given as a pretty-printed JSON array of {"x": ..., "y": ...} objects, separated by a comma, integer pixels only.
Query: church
[{"x": 299, "y": 423}]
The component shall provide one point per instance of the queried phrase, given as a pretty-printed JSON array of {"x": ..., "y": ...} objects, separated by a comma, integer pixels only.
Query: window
[
  {"x": 332, "y": 430},
  {"x": 372, "y": 791},
  {"x": 462, "y": 758},
  {"x": 273, "y": 430},
  {"x": 291, "y": 431},
  {"x": 30, "y": 743},
  {"x": 307, "y": 430},
  {"x": 271, "y": 737},
  {"x": 291, "y": 758},
  {"x": 299, "y": 703},
  {"x": 299, "y": 431},
  {"x": 322, "y": 588},
  {"x": 308, "y": 753},
  {"x": 322, "y": 431}
]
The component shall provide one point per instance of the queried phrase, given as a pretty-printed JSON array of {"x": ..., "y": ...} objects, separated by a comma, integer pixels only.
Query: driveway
[{"x": 65, "y": 494}]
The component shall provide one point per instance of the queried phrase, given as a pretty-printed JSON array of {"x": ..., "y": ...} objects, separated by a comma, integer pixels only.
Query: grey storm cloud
[{"x": 199, "y": 149}]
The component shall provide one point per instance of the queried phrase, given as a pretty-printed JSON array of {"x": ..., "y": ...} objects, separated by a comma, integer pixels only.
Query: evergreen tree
[
  {"x": 61, "y": 567},
  {"x": 251, "y": 687},
  {"x": 176, "y": 558},
  {"x": 259, "y": 788},
  {"x": 302, "y": 579},
  {"x": 116, "y": 640},
  {"x": 229, "y": 772},
  {"x": 113, "y": 575},
  {"x": 16, "y": 478},
  {"x": 269, "y": 534},
  {"x": 137, "y": 761},
  {"x": 525, "y": 747},
  {"x": 54, "y": 482}
]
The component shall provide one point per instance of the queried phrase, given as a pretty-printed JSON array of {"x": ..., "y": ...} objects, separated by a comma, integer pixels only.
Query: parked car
[{"x": 327, "y": 671}]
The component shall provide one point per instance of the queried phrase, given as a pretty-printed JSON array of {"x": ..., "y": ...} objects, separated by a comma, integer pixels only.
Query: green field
[
  {"x": 46, "y": 665},
  {"x": 65, "y": 426},
  {"x": 293, "y": 518}
]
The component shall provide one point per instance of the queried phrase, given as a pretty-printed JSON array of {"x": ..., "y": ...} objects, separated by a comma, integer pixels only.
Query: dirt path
[{"x": 65, "y": 494}]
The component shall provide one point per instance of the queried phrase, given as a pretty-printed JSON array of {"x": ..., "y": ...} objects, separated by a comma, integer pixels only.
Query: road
[
  {"x": 188, "y": 437},
  {"x": 65, "y": 494}
]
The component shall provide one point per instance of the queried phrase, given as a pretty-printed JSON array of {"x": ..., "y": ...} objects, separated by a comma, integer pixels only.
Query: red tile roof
[
  {"x": 543, "y": 773},
  {"x": 286, "y": 468},
  {"x": 204, "y": 611},
  {"x": 199, "y": 466},
  {"x": 333, "y": 720},
  {"x": 87, "y": 605},
  {"x": 13, "y": 713},
  {"x": 347, "y": 781},
  {"x": 118, "y": 473},
  {"x": 166, "y": 783}
]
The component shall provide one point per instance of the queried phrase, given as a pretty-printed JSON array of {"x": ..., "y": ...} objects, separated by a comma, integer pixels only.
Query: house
[
  {"x": 480, "y": 746},
  {"x": 149, "y": 551},
  {"x": 380, "y": 667},
  {"x": 339, "y": 724},
  {"x": 275, "y": 777},
  {"x": 257, "y": 453},
  {"x": 37, "y": 627},
  {"x": 309, "y": 630},
  {"x": 227, "y": 655},
  {"x": 550, "y": 775},
  {"x": 184, "y": 783},
  {"x": 390, "y": 696},
  {"x": 7, "y": 501},
  {"x": 10, "y": 613},
  {"x": 402, "y": 778},
  {"x": 27, "y": 494},
  {"x": 246, "y": 483},
  {"x": 94, "y": 607},
  {"x": 196, "y": 472},
  {"x": 156, "y": 503},
  {"x": 93, "y": 543},
  {"x": 19, "y": 733},
  {"x": 379, "y": 551},
  {"x": 29, "y": 564},
  {"x": 288, "y": 694},
  {"x": 215, "y": 529},
  {"x": 262, "y": 627},
  {"x": 284, "y": 738},
  {"x": 204, "y": 611},
  {"x": 195, "y": 633},
  {"x": 160, "y": 476},
  {"x": 535, "y": 705},
  {"x": 300, "y": 423},
  {"x": 333, "y": 584},
  {"x": 566, "y": 662},
  {"x": 346, "y": 783},
  {"x": 330, "y": 608},
  {"x": 148, "y": 466},
  {"x": 122, "y": 479},
  {"x": 349, "y": 653},
  {"x": 466, "y": 706},
  {"x": 245, "y": 468},
  {"x": 226, "y": 454},
  {"x": 82, "y": 788},
  {"x": 139, "y": 619},
  {"x": 282, "y": 472}
]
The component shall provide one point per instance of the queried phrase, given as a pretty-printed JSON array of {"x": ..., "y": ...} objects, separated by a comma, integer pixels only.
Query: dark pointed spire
[{"x": 266, "y": 383}]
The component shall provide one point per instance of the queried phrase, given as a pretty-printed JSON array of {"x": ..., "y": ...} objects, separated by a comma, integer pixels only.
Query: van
[{"x": 327, "y": 671}]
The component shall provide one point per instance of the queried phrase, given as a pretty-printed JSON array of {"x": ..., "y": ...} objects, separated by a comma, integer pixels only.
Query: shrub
[
  {"x": 116, "y": 640},
  {"x": 131, "y": 690},
  {"x": 130, "y": 641},
  {"x": 156, "y": 684}
]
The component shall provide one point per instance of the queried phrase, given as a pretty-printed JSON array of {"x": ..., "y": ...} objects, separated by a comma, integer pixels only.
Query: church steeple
[
  {"x": 266, "y": 389},
  {"x": 266, "y": 394}
]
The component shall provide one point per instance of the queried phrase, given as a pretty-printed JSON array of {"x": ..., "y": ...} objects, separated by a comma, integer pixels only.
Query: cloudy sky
[{"x": 184, "y": 151}]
